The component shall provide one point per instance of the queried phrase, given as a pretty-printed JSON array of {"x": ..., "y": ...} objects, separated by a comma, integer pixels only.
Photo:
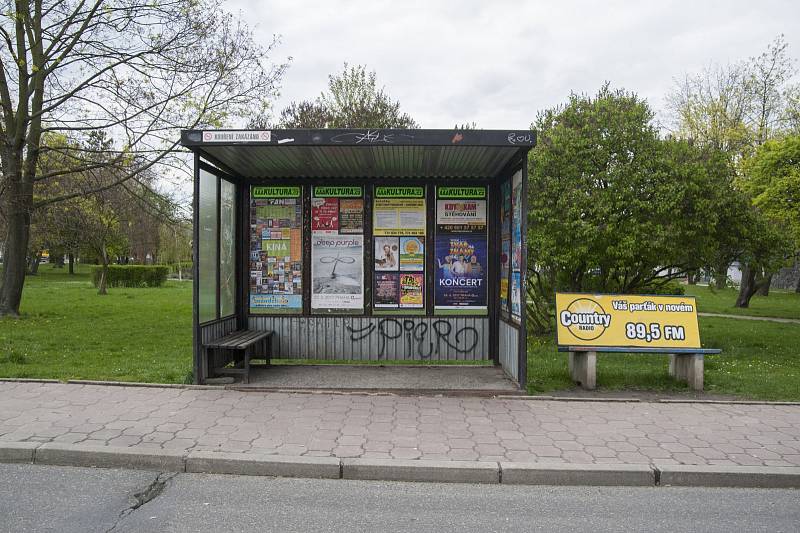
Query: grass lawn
[
  {"x": 781, "y": 304},
  {"x": 759, "y": 360},
  {"x": 68, "y": 331}
]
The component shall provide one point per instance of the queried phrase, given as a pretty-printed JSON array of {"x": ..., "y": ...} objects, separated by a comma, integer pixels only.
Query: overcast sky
[{"x": 498, "y": 62}]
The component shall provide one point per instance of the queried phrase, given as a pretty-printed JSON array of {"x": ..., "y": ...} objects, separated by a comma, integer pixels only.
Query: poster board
[
  {"x": 517, "y": 210},
  {"x": 505, "y": 248},
  {"x": 337, "y": 248},
  {"x": 276, "y": 250},
  {"x": 461, "y": 250},
  {"x": 399, "y": 227},
  {"x": 636, "y": 321}
]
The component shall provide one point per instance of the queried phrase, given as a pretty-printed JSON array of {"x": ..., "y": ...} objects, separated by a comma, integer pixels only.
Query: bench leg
[
  {"x": 247, "y": 354},
  {"x": 583, "y": 369},
  {"x": 687, "y": 367}
]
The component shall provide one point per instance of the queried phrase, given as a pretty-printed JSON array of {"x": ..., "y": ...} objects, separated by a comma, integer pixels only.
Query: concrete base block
[
  {"x": 687, "y": 367},
  {"x": 256, "y": 464},
  {"x": 421, "y": 470},
  {"x": 577, "y": 474},
  {"x": 17, "y": 452},
  {"x": 729, "y": 476},
  {"x": 53, "y": 453},
  {"x": 583, "y": 369}
]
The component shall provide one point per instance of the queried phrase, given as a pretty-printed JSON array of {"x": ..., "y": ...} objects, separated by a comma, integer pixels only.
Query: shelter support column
[
  {"x": 687, "y": 367},
  {"x": 583, "y": 369}
]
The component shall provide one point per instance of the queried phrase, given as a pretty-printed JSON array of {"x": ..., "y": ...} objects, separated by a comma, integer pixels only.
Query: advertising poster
[
  {"x": 412, "y": 254},
  {"x": 387, "y": 252},
  {"x": 399, "y": 224},
  {"x": 460, "y": 249},
  {"x": 516, "y": 222},
  {"x": 627, "y": 320},
  {"x": 325, "y": 215},
  {"x": 505, "y": 210},
  {"x": 505, "y": 271},
  {"x": 351, "y": 216},
  {"x": 461, "y": 271},
  {"x": 516, "y": 296},
  {"x": 464, "y": 216},
  {"x": 276, "y": 249},
  {"x": 338, "y": 273},
  {"x": 504, "y": 294},
  {"x": 399, "y": 211},
  {"x": 411, "y": 290},
  {"x": 387, "y": 291}
]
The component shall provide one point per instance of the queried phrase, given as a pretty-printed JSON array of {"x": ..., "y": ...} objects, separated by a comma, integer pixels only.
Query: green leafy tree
[
  {"x": 772, "y": 178},
  {"x": 736, "y": 108},
  {"x": 353, "y": 100},
  {"x": 612, "y": 207}
]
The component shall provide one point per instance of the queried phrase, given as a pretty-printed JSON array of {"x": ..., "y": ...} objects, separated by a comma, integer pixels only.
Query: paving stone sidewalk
[{"x": 400, "y": 427}]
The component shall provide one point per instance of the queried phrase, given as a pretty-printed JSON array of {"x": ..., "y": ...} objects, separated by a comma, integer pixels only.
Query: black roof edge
[{"x": 359, "y": 137}]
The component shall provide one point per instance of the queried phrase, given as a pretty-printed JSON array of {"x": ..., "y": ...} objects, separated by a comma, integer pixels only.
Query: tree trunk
[
  {"x": 34, "y": 266},
  {"x": 71, "y": 263},
  {"x": 750, "y": 286},
  {"x": 691, "y": 277},
  {"x": 18, "y": 203},
  {"x": 721, "y": 276},
  {"x": 797, "y": 289},
  {"x": 101, "y": 287},
  {"x": 763, "y": 288}
]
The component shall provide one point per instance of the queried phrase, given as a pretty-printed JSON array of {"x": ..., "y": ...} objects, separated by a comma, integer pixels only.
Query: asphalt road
[{"x": 49, "y": 498}]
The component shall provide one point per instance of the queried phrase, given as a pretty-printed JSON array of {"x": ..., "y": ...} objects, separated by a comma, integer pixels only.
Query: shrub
[
  {"x": 131, "y": 275},
  {"x": 670, "y": 288}
]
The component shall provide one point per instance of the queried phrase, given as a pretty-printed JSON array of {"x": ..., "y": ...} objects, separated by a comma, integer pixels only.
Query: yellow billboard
[{"x": 638, "y": 321}]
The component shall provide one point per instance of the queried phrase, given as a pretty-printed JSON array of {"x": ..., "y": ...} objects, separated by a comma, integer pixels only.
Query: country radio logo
[{"x": 585, "y": 318}]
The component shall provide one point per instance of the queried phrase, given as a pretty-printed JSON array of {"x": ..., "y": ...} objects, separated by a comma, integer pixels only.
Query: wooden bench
[
  {"x": 243, "y": 346},
  {"x": 685, "y": 364}
]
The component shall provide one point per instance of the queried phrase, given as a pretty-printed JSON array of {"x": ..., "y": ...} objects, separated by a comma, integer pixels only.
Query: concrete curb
[
  {"x": 17, "y": 452},
  {"x": 728, "y": 476},
  {"x": 577, "y": 474},
  {"x": 508, "y": 473},
  {"x": 252, "y": 464},
  {"x": 421, "y": 470},
  {"x": 53, "y": 453},
  {"x": 145, "y": 385}
]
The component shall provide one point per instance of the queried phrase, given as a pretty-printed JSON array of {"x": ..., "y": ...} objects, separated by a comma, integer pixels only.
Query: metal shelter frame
[{"x": 237, "y": 160}]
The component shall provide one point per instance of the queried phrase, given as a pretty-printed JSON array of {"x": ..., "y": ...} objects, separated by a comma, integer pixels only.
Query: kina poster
[{"x": 461, "y": 272}]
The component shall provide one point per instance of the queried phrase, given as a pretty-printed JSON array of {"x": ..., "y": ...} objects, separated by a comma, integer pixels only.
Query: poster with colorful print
[
  {"x": 276, "y": 221},
  {"x": 516, "y": 296},
  {"x": 351, "y": 216},
  {"x": 325, "y": 215},
  {"x": 412, "y": 254},
  {"x": 505, "y": 210},
  {"x": 516, "y": 222},
  {"x": 387, "y": 253},
  {"x": 461, "y": 271},
  {"x": 411, "y": 290}
]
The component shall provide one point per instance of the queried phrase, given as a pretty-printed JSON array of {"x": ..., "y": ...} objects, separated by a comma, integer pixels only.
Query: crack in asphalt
[{"x": 148, "y": 494}]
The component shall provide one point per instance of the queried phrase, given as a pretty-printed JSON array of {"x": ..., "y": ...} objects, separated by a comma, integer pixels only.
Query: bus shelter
[{"x": 362, "y": 245}]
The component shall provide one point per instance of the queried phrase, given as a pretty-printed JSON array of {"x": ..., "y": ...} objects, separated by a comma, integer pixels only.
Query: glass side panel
[
  {"x": 207, "y": 247},
  {"x": 227, "y": 249}
]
